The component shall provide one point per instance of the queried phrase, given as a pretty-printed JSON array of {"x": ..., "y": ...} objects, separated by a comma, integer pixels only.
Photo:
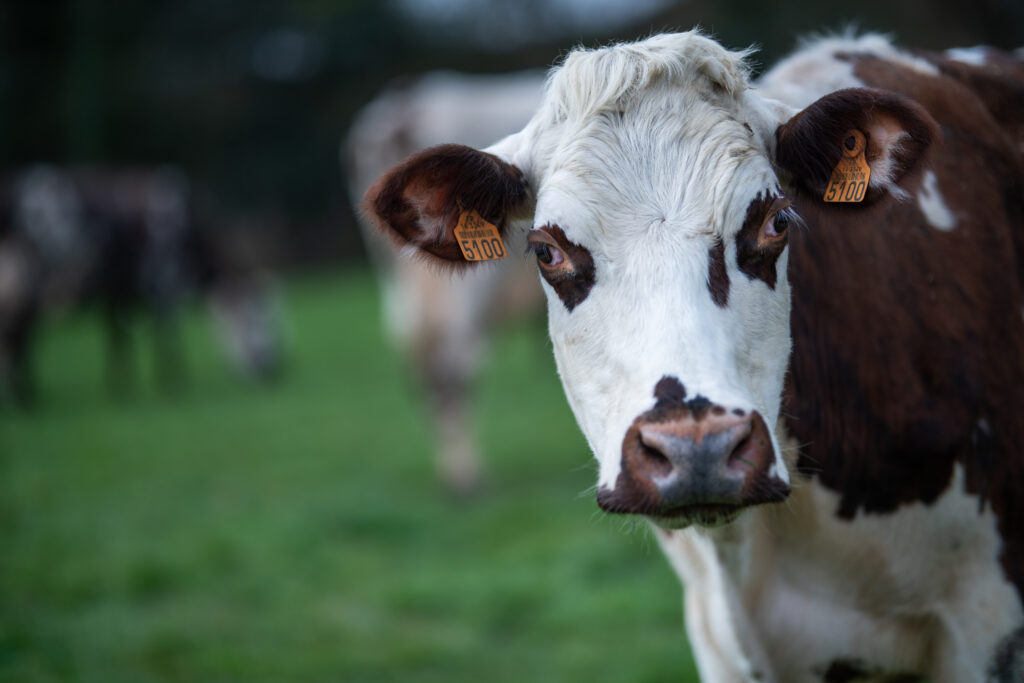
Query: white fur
[
  {"x": 597, "y": 153},
  {"x": 934, "y": 208},
  {"x": 780, "y": 584},
  {"x": 817, "y": 69},
  {"x": 975, "y": 56},
  {"x": 48, "y": 210}
]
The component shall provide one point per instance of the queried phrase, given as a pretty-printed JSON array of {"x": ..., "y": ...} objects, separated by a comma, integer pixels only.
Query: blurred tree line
[{"x": 252, "y": 98}]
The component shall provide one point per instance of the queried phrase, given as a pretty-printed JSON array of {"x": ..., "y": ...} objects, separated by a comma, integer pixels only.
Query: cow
[
  {"x": 130, "y": 241},
  {"x": 440, "y": 326},
  {"x": 818, "y": 404}
]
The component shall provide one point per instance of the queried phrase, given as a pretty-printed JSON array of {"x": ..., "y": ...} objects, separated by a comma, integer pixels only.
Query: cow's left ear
[{"x": 898, "y": 132}]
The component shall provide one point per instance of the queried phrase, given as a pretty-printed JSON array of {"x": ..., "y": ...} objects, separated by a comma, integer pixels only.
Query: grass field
[{"x": 295, "y": 533}]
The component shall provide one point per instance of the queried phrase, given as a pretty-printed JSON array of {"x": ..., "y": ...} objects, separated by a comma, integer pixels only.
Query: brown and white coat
[{"x": 819, "y": 406}]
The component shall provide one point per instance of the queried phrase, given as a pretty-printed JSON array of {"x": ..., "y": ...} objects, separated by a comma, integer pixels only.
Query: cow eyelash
[
  {"x": 777, "y": 225},
  {"x": 779, "y": 220}
]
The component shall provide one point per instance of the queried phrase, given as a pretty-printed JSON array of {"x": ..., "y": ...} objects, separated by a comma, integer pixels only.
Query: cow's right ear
[
  {"x": 419, "y": 202},
  {"x": 897, "y": 133}
]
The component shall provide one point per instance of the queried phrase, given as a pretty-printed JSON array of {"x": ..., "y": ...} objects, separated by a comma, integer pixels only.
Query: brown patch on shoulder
[
  {"x": 907, "y": 341},
  {"x": 572, "y": 284},
  {"x": 718, "y": 275},
  {"x": 756, "y": 256},
  {"x": 998, "y": 84}
]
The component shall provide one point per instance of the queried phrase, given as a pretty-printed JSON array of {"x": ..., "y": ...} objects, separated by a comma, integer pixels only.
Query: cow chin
[
  {"x": 626, "y": 499},
  {"x": 707, "y": 516}
]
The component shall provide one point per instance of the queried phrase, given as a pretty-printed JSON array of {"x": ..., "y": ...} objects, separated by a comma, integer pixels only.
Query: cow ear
[
  {"x": 419, "y": 202},
  {"x": 898, "y": 133}
]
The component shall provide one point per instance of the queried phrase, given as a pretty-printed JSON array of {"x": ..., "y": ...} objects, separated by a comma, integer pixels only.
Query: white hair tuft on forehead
[{"x": 610, "y": 78}]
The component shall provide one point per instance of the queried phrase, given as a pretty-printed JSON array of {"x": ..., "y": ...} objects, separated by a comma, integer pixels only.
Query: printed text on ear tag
[
  {"x": 850, "y": 178},
  {"x": 478, "y": 239}
]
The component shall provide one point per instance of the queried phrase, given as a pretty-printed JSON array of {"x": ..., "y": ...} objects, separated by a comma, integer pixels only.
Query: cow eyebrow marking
[
  {"x": 718, "y": 275},
  {"x": 754, "y": 258},
  {"x": 574, "y": 284}
]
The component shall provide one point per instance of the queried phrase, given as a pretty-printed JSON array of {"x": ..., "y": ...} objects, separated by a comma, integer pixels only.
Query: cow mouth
[{"x": 700, "y": 515}]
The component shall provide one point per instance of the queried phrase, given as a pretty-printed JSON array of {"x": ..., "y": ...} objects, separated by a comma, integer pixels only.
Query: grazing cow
[
  {"x": 127, "y": 239},
  {"x": 818, "y": 404},
  {"x": 441, "y": 325}
]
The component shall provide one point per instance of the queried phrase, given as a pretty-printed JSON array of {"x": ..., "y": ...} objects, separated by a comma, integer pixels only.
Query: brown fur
[
  {"x": 718, "y": 275},
  {"x": 999, "y": 84},
  {"x": 810, "y": 144},
  {"x": 573, "y": 282},
  {"x": 434, "y": 186},
  {"x": 755, "y": 255},
  {"x": 908, "y": 342},
  {"x": 851, "y": 671},
  {"x": 1008, "y": 665}
]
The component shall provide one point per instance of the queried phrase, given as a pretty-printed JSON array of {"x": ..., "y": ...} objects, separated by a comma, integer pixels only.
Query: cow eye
[
  {"x": 548, "y": 255},
  {"x": 777, "y": 225}
]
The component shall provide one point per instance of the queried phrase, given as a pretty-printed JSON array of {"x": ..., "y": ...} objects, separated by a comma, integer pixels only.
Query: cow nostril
[
  {"x": 739, "y": 453},
  {"x": 654, "y": 454},
  {"x": 654, "y": 449}
]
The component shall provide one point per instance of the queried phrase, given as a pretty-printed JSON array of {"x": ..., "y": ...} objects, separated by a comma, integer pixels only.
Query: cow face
[{"x": 652, "y": 182}]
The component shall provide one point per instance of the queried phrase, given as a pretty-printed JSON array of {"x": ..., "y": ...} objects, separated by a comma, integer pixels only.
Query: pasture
[{"x": 295, "y": 532}]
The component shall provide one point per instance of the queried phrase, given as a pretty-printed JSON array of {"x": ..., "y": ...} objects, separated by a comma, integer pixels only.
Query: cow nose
[
  {"x": 692, "y": 449},
  {"x": 696, "y": 466}
]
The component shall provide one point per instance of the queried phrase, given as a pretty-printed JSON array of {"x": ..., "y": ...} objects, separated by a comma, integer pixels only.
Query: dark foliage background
[{"x": 252, "y": 98}]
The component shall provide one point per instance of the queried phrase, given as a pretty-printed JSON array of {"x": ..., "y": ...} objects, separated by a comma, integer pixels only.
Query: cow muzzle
[{"x": 693, "y": 462}]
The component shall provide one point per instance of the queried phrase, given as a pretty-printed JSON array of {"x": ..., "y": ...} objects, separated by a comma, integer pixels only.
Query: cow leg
[
  {"x": 953, "y": 661},
  {"x": 441, "y": 327},
  {"x": 120, "y": 366},
  {"x": 968, "y": 651},
  {"x": 21, "y": 371},
  {"x": 19, "y": 314},
  {"x": 458, "y": 464}
]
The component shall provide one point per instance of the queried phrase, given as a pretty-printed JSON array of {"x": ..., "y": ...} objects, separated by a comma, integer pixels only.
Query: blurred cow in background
[
  {"x": 129, "y": 240},
  {"x": 440, "y": 325}
]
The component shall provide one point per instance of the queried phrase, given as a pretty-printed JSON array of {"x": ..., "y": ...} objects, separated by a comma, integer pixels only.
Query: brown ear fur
[
  {"x": 418, "y": 201},
  {"x": 898, "y": 131}
]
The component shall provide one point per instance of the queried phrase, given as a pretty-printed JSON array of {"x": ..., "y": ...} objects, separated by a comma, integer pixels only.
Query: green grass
[{"x": 296, "y": 533}]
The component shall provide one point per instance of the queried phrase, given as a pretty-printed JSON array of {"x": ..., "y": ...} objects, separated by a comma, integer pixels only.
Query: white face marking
[
  {"x": 929, "y": 200},
  {"x": 648, "y": 180}
]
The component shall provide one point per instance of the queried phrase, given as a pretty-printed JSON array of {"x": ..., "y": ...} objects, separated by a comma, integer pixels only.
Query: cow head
[{"x": 655, "y": 188}]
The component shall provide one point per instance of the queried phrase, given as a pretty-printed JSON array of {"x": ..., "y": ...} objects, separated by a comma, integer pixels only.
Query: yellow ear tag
[
  {"x": 849, "y": 180},
  {"x": 478, "y": 239}
]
